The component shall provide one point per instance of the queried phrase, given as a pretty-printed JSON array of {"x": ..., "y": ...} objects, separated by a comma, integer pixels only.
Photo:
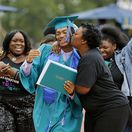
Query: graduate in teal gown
[{"x": 53, "y": 111}]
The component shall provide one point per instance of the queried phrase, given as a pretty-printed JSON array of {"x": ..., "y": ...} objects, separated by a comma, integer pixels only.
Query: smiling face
[
  {"x": 77, "y": 38},
  {"x": 107, "y": 49},
  {"x": 61, "y": 36},
  {"x": 17, "y": 44}
]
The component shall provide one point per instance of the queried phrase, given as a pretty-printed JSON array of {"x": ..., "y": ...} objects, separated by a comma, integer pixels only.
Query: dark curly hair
[
  {"x": 114, "y": 35},
  {"x": 92, "y": 35},
  {"x": 50, "y": 30},
  {"x": 9, "y": 36}
]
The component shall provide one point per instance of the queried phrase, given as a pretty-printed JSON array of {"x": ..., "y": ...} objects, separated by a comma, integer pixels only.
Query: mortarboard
[{"x": 62, "y": 21}]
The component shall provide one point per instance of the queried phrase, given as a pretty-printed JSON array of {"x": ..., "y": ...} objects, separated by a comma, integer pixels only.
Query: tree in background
[{"x": 34, "y": 15}]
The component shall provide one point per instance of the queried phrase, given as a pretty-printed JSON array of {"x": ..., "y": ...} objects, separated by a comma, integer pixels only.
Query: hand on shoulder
[{"x": 32, "y": 54}]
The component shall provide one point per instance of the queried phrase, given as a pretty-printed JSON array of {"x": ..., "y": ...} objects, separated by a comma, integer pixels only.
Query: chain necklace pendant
[{"x": 13, "y": 59}]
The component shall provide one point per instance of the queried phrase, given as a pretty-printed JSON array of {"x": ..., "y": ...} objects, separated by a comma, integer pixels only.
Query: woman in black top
[
  {"x": 106, "y": 106},
  {"x": 112, "y": 48},
  {"x": 15, "y": 102}
]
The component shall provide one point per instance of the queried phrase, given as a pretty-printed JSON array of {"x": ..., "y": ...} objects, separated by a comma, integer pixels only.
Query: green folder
[{"x": 55, "y": 74}]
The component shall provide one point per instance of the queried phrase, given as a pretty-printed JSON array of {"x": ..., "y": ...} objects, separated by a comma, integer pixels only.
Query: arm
[
  {"x": 26, "y": 67},
  {"x": 29, "y": 82},
  {"x": 8, "y": 71},
  {"x": 74, "y": 100},
  {"x": 127, "y": 49},
  {"x": 82, "y": 90},
  {"x": 69, "y": 87},
  {"x": 86, "y": 76}
]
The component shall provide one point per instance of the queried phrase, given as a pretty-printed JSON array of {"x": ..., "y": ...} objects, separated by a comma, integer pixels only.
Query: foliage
[{"x": 33, "y": 15}]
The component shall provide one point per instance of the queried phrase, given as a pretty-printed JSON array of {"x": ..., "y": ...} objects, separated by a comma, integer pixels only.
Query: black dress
[{"x": 16, "y": 104}]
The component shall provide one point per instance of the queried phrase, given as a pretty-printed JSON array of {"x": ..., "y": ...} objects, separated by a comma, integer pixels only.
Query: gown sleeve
[{"x": 29, "y": 82}]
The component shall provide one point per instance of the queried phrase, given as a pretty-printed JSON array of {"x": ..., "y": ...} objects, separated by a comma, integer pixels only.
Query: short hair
[
  {"x": 114, "y": 35},
  {"x": 9, "y": 37},
  {"x": 92, "y": 35},
  {"x": 49, "y": 30},
  {"x": 48, "y": 38}
]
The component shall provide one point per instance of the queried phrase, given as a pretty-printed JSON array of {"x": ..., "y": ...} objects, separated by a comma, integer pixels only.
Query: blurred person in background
[
  {"x": 49, "y": 36},
  {"x": 49, "y": 39},
  {"x": 16, "y": 103},
  {"x": 118, "y": 55}
]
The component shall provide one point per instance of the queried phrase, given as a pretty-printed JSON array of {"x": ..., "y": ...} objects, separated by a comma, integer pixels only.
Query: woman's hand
[
  {"x": 69, "y": 87},
  {"x": 32, "y": 54},
  {"x": 4, "y": 68}
]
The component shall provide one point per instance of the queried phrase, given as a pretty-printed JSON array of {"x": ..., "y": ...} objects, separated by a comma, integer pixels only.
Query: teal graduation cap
[{"x": 62, "y": 21}]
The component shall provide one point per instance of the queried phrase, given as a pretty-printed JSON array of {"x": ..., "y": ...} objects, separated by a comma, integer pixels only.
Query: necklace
[
  {"x": 16, "y": 59},
  {"x": 13, "y": 59}
]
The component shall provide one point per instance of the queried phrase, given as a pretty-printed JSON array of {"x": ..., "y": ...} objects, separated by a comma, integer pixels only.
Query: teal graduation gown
[{"x": 65, "y": 114}]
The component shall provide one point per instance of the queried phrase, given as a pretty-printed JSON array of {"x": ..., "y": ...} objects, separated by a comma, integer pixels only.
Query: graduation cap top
[{"x": 62, "y": 21}]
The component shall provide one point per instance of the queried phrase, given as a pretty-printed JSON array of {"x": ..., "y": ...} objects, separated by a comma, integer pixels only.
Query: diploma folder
[{"x": 55, "y": 74}]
